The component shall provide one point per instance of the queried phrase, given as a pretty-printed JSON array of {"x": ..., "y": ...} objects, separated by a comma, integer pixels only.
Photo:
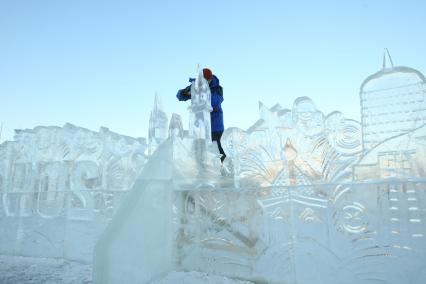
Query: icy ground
[
  {"x": 26, "y": 270},
  {"x": 196, "y": 278}
]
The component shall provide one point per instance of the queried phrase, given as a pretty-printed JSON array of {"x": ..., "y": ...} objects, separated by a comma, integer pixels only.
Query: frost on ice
[{"x": 307, "y": 197}]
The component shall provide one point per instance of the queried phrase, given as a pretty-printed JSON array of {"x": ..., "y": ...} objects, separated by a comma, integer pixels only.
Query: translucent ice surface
[
  {"x": 158, "y": 125},
  {"x": 199, "y": 111},
  {"x": 307, "y": 197},
  {"x": 302, "y": 197},
  {"x": 60, "y": 186}
]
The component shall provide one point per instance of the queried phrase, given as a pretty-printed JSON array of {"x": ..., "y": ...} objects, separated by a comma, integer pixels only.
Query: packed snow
[{"x": 35, "y": 270}]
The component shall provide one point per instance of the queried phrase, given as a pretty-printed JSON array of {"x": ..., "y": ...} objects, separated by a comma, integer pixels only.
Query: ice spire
[
  {"x": 386, "y": 52},
  {"x": 175, "y": 126},
  {"x": 158, "y": 106},
  {"x": 158, "y": 125}
]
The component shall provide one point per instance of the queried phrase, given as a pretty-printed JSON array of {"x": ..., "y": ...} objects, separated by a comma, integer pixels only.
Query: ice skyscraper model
[{"x": 393, "y": 102}]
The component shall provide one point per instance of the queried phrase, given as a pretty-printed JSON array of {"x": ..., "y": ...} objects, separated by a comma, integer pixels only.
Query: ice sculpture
[
  {"x": 200, "y": 127},
  {"x": 348, "y": 233},
  {"x": 199, "y": 123},
  {"x": 298, "y": 146},
  {"x": 58, "y": 183},
  {"x": 158, "y": 126},
  {"x": 308, "y": 201},
  {"x": 402, "y": 156},
  {"x": 311, "y": 198},
  {"x": 392, "y": 103},
  {"x": 176, "y": 127}
]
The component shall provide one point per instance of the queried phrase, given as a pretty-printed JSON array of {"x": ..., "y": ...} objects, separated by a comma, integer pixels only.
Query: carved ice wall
[
  {"x": 300, "y": 146},
  {"x": 53, "y": 179},
  {"x": 343, "y": 234}
]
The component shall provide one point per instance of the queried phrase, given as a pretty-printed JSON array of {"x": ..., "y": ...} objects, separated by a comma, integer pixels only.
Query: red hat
[{"x": 207, "y": 73}]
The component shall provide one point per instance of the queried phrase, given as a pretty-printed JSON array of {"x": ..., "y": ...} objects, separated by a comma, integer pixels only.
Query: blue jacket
[{"x": 216, "y": 116}]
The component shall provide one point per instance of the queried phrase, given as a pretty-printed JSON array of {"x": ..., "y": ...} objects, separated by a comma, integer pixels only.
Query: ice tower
[
  {"x": 392, "y": 103},
  {"x": 199, "y": 111},
  {"x": 175, "y": 126},
  {"x": 158, "y": 130}
]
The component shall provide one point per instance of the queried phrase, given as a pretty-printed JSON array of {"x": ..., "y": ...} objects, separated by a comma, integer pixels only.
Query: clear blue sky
[{"x": 99, "y": 63}]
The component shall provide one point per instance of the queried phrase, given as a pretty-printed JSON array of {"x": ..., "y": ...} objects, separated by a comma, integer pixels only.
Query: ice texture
[
  {"x": 199, "y": 111},
  {"x": 60, "y": 186},
  {"x": 293, "y": 147},
  {"x": 302, "y": 197},
  {"x": 392, "y": 103},
  {"x": 306, "y": 200},
  {"x": 158, "y": 125},
  {"x": 176, "y": 126}
]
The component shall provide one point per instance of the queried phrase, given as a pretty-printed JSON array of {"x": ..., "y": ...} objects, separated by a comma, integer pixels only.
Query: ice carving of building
[
  {"x": 392, "y": 103},
  {"x": 176, "y": 126},
  {"x": 393, "y": 109},
  {"x": 199, "y": 111},
  {"x": 158, "y": 125},
  {"x": 401, "y": 157}
]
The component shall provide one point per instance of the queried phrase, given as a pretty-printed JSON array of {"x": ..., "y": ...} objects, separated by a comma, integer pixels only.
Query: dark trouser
[{"x": 216, "y": 135}]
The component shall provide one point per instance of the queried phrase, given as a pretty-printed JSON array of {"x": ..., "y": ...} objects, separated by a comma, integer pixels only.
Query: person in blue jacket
[{"x": 216, "y": 116}]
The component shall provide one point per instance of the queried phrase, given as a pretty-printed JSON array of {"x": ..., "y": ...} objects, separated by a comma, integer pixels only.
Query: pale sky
[{"x": 99, "y": 63}]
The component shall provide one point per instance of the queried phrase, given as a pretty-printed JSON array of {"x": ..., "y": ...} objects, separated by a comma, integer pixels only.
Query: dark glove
[{"x": 186, "y": 91}]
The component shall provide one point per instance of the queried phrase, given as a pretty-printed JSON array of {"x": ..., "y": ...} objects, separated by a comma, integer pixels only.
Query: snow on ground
[
  {"x": 196, "y": 278},
  {"x": 25, "y": 270},
  {"x": 33, "y": 270}
]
